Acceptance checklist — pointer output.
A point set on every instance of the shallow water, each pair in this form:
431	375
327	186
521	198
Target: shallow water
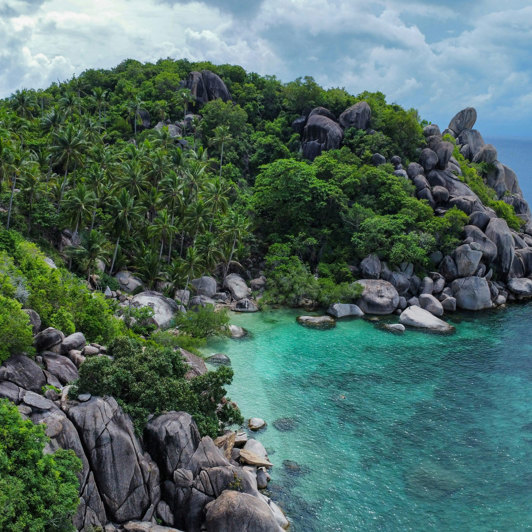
411	432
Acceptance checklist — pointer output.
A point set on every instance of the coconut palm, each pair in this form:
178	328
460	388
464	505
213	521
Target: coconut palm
236	229
94	247
222	137
23	103
79	204
162	228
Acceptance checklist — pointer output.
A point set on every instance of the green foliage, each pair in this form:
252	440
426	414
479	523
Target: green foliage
203	322
15	330
38	492
140	320
151	379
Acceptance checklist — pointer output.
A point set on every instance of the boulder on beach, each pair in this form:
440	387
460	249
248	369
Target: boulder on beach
237	286
344	310
317	322
164	308
472	293
378	297
422	319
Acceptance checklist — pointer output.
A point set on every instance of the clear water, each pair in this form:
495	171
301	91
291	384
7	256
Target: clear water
412	432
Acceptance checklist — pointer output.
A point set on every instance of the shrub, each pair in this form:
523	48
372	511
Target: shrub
38	492
15	330
203	322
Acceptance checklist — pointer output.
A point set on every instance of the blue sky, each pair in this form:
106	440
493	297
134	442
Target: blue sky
435	56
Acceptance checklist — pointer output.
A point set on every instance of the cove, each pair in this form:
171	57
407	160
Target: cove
373	431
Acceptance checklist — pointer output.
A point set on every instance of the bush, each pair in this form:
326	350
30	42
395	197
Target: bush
15	330
149	379
203	322
38	492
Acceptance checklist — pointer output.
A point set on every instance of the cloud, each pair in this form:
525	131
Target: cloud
437	57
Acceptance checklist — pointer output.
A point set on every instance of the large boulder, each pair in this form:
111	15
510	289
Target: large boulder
344	310
415	316
206	86
444	151
473	139
321	133
499	233
486	246
472	293
233	511
448	268
467	260
237	286
48	340
521	288
171	439
245	305
371	267
464	119
60	366
35	319
428	159
24	372
429	303
378	297
357	116
486	154
127	281
73	341
205	286
164	308
128	480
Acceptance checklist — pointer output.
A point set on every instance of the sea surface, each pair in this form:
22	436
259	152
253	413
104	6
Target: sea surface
517	154
368	430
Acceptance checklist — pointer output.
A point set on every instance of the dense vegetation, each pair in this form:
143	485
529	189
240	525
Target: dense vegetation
38	492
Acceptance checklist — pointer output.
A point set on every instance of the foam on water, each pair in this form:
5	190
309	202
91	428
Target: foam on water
412	432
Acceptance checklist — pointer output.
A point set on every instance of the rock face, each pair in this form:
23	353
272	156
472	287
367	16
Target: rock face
108	438
464	119
317	322
415	316
357	116
205	286
164	308
237	286
206	86
23	372
320	133
520	287
344	310
467	260
239	512
499	233
472	293
61	367
371	267
378	297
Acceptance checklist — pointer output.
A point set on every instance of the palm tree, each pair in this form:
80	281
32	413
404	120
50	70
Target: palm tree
222	136
172	186
184	97
31	183
69	103
125	213
94	247
148	265
209	249
192	264
236	229
100	99
79	203
134	107
52	121
67	148
134	178
216	192
23	103
17	165
162	227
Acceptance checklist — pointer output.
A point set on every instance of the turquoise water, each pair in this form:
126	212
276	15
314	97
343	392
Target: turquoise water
412	432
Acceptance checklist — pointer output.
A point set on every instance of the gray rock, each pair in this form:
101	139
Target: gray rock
486	154
377	159
196	364
146	526
164	308
24	372
396	161
371	267
127	281
378	297
439	285
414	169
236	332
396	328
245	305
480	219
182	297
262	479
449	304
73	341
431	304
467	260
486	246
237	286
258	284
35	320
343	310
471	293
60	366
206	86
426	194
357	116
233	511
473	138
467	204
90	351
399	280
440	195
444	151
428	159
321	133
171	439
431	130
427	285
464	119
48	339
400	173
499	233
520	287
108	439
205	286
420	182
422	319
200	301
219	359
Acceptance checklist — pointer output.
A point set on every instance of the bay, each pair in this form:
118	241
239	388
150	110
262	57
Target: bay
373	431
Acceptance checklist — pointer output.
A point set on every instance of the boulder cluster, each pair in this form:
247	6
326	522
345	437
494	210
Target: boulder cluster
170	475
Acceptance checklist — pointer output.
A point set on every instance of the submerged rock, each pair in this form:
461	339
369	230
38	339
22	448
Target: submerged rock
219	359
285	424
317	322
256	423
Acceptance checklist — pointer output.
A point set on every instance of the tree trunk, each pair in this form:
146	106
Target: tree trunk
11	201
114	256
221	158
93	219
230	257
63	184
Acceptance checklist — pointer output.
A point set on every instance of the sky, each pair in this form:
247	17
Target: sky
436	56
